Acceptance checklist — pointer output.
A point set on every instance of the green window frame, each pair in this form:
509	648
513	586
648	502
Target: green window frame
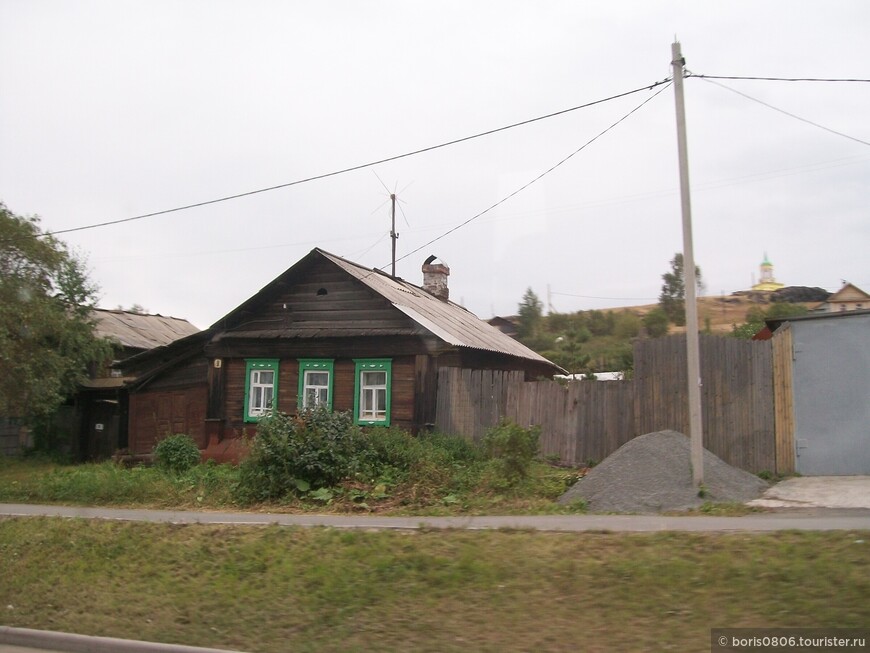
261	387
313	385
373	391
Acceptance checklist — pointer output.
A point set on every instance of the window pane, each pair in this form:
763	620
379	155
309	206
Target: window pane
373	391
316	388
317	378
374	378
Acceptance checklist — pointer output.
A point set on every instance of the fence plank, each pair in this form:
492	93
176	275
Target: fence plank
783	390
745	393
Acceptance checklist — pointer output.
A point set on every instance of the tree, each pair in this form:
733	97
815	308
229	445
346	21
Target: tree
138	309
673	297
569	353
756	316
47	338
530	313
656	323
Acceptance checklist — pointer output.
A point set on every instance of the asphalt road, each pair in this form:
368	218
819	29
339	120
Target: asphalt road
801	519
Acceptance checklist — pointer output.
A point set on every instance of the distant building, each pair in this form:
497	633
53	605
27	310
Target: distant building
848	298
507	325
767	283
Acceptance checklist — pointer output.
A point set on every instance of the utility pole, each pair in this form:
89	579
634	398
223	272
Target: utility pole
693	355
393	235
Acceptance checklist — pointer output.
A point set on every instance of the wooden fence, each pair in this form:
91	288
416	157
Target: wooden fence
589	420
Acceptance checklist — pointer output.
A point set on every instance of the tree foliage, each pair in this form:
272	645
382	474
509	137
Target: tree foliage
756	316
673	296
531	311
46	333
656	323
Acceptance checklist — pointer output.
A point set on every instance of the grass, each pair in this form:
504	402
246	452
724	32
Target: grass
431	491
37	480
277	589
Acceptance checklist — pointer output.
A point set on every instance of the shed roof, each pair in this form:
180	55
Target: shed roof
140	331
774	323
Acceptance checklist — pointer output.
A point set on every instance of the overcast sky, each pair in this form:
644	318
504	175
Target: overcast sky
112	109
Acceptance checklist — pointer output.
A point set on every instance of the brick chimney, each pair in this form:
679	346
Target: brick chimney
435	278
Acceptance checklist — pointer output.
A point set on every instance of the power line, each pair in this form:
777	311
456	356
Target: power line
540	176
783	111
633	299
777	79
360	166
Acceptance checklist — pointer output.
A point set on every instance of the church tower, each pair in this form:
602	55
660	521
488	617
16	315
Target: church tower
767	283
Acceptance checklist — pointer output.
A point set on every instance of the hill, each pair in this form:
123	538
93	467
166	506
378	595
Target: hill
601	340
715	313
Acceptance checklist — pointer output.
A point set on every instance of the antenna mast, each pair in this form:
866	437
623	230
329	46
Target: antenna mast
393	235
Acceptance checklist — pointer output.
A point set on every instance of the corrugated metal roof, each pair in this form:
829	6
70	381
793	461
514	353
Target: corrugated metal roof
448	321
140	331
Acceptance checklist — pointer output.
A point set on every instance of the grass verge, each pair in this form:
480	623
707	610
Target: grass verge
277	589
425	490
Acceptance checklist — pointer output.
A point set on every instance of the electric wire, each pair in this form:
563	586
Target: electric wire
782	111
539	177
777	79
359	166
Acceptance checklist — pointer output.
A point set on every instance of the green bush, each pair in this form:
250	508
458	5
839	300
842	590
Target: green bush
176	453
314	450
512	449
427	464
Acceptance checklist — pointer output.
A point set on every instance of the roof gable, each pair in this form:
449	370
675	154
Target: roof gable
361	301
449	322
849	293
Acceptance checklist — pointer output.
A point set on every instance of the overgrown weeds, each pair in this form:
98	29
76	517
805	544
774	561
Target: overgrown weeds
323	462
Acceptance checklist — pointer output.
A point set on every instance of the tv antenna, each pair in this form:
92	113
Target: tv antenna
394	235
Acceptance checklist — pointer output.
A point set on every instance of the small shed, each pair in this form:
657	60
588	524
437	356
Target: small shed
827	362
99	410
326	332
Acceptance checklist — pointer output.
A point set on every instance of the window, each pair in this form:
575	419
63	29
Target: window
315	383
372	399
261	388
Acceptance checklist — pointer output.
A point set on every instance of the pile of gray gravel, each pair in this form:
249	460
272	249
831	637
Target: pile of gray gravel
653	473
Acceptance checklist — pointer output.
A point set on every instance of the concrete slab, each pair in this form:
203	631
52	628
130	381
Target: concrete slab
837	492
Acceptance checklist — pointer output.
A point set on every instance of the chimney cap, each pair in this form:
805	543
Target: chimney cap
435	278
432	258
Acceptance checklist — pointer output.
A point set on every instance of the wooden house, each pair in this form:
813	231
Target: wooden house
848	298
99	409
325	332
